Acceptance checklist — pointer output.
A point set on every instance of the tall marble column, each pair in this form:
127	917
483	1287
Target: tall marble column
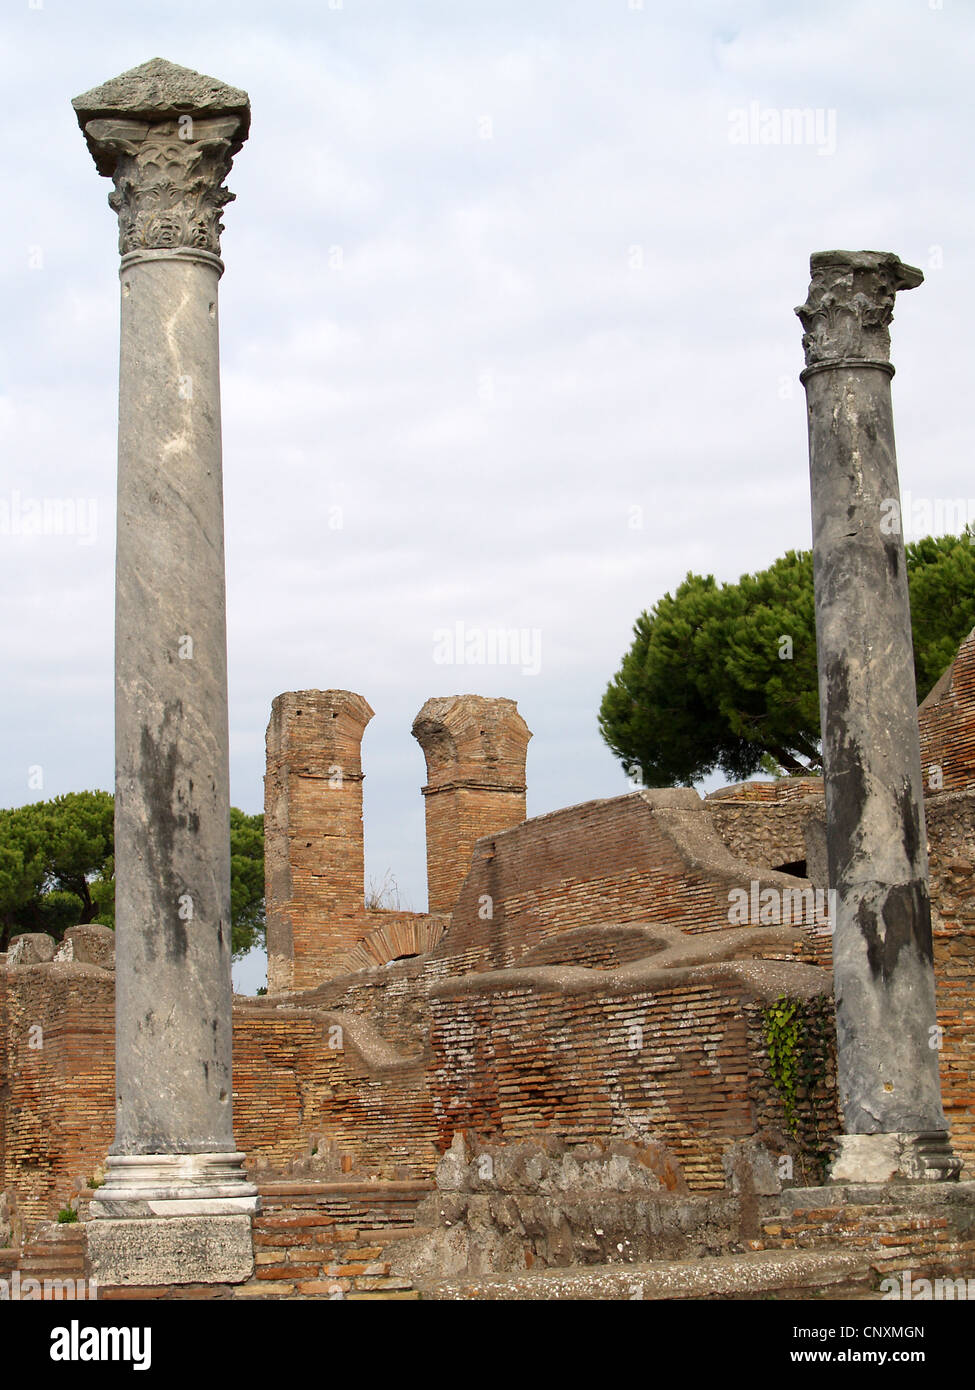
176	1203
887	1056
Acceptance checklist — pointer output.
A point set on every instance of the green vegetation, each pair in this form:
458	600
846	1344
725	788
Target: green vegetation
57	869
724	676
798	1038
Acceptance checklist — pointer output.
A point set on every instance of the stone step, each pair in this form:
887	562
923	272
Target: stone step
717	1276
50	1264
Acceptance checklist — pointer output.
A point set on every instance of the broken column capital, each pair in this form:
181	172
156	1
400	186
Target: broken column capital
167	137
475	750
472	740
849	307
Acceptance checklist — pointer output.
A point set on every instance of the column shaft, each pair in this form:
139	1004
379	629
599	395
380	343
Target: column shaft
882	949
166	136
887	1059
172	770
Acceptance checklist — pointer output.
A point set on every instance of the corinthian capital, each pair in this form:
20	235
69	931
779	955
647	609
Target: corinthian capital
167	137
850	305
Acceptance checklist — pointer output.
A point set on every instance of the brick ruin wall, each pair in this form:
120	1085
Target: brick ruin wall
312	1239
947	725
318	923
762	830
386	1091
521	1018
57	1080
494	1031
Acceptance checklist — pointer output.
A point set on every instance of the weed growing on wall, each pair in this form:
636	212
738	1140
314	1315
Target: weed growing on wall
796	1033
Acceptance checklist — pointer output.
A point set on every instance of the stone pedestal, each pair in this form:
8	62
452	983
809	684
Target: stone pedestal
887	1058
180	1250
167	136
891	1157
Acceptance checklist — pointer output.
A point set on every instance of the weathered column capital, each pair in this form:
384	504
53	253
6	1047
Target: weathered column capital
850	305
167	137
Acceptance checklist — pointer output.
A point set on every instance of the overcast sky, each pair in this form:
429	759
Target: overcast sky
509	295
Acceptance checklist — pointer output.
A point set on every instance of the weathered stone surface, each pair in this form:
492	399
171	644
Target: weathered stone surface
759	1272
955	1199
172	799
882	946
31	948
177	1250
177	1184
750	1168
92	944
553	1168
817	857
314	856
525	1204
885	1158
159	89
167	136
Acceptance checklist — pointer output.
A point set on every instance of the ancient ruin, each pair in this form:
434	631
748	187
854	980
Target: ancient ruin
566	1078
575	1058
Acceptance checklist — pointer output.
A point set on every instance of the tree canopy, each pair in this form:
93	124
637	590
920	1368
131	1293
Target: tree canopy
723	676
57	868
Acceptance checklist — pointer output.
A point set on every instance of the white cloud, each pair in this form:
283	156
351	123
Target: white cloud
489	381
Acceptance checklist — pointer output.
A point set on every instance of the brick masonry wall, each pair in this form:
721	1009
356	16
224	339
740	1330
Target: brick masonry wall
57	1079
331	1240
807	1140
409	1065
950	819
948	727
294	1091
778	791
318	1240
313	833
318	924
680	1065
456	818
312	1240
928	1232
618	861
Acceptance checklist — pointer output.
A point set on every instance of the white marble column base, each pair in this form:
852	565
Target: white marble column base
894	1158
170	1185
